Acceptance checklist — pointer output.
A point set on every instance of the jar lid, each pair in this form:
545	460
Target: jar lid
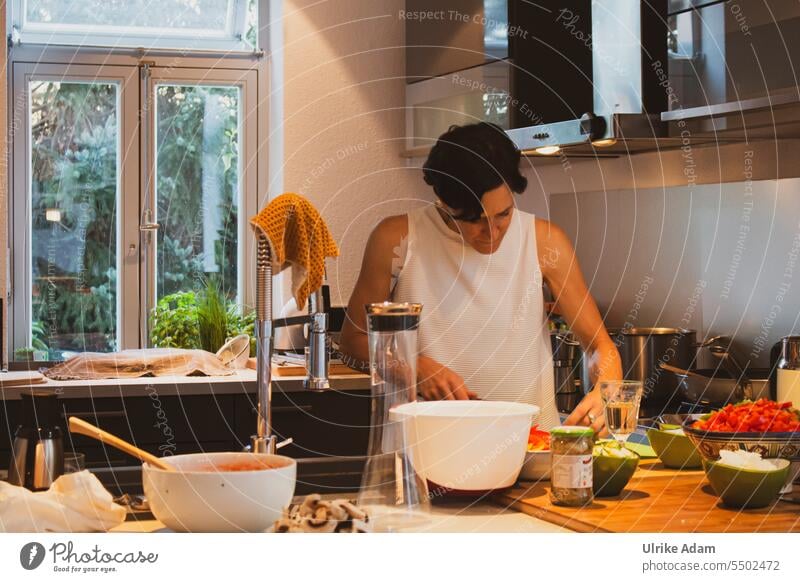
390	317
572	431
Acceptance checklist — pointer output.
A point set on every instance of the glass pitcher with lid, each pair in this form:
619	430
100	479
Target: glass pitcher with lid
391	491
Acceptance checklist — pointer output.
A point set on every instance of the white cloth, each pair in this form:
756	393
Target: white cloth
483	315
75	502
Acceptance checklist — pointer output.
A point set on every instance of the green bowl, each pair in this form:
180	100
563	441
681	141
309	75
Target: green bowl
675	451
611	474
746	488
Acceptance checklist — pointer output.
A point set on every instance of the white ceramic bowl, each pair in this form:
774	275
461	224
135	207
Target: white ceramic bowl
467	446
201	496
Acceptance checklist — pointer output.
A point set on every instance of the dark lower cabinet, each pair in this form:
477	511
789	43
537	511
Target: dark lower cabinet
320	425
325	424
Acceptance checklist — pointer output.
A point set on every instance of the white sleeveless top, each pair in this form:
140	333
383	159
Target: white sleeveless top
483	315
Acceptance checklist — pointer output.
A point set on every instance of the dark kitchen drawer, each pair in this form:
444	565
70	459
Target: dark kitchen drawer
324	424
177	424
321	424
150	422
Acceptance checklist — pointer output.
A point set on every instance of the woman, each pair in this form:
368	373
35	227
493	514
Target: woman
477	264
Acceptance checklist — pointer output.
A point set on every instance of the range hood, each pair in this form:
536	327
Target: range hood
595	80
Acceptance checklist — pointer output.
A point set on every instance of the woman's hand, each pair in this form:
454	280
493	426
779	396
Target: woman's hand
590	413
438	382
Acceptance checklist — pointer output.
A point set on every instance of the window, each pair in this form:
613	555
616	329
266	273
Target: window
132	176
197	186
181	24
74	168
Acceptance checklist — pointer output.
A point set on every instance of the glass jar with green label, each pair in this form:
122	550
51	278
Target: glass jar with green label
571	475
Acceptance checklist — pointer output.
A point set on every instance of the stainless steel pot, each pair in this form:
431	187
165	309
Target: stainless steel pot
715	387
642	350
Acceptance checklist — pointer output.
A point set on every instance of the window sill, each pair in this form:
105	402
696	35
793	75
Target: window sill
242	382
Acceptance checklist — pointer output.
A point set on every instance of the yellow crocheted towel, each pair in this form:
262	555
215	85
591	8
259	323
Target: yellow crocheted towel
298	237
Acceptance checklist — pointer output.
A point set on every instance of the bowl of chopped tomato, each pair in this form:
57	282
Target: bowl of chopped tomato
537	459
769	428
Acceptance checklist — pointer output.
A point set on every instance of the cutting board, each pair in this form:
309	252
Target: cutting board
289	371
16	379
656	499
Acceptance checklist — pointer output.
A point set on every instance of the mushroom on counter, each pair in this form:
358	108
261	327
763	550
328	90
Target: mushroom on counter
315	515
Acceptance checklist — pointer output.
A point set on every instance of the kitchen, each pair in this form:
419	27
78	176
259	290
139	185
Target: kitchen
688	222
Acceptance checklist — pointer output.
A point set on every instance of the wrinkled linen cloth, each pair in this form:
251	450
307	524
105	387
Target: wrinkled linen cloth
137	363
298	237
75	502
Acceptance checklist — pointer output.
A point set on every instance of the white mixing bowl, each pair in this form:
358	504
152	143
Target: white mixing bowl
467	446
205	495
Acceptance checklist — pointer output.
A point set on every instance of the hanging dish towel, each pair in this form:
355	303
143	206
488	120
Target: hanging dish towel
298	237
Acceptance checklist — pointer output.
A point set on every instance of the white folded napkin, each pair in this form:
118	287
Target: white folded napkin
75	502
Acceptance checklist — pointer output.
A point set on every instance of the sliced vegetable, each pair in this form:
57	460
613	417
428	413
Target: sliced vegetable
538	440
760	416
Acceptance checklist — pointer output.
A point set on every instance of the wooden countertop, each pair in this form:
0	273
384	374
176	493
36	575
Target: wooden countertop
656	499
242	381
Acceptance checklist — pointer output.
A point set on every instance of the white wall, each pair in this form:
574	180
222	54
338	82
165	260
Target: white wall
720	258
344	123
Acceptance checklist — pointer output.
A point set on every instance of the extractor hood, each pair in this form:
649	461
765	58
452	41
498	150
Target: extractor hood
613	77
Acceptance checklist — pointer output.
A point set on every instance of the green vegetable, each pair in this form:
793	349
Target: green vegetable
611	449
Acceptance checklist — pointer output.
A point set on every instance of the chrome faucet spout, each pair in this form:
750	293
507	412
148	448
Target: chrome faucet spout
317	354
263	441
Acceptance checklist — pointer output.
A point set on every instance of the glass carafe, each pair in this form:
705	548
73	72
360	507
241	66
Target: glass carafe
391	492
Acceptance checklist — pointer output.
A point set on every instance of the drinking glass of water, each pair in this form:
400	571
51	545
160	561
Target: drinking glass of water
621	400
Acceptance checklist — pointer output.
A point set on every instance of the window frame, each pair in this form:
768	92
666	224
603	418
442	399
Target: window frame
232	40
248	205
20	202
252	69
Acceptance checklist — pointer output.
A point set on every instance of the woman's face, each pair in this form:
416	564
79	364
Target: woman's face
485	234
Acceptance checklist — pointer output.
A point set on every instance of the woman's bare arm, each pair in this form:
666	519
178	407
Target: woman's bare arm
373	286
434	380
562	273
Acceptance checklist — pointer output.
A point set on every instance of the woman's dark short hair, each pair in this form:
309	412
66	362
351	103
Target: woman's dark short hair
469	160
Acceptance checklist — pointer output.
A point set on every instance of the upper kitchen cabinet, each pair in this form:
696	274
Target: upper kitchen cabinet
456	66
732	51
507	62
443	36
605	77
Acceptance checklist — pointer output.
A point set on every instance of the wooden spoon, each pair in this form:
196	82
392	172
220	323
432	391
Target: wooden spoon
79	426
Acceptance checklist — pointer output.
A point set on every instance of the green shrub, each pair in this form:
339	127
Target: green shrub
199	320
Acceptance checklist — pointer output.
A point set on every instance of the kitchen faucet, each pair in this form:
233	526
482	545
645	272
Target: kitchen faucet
317	356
